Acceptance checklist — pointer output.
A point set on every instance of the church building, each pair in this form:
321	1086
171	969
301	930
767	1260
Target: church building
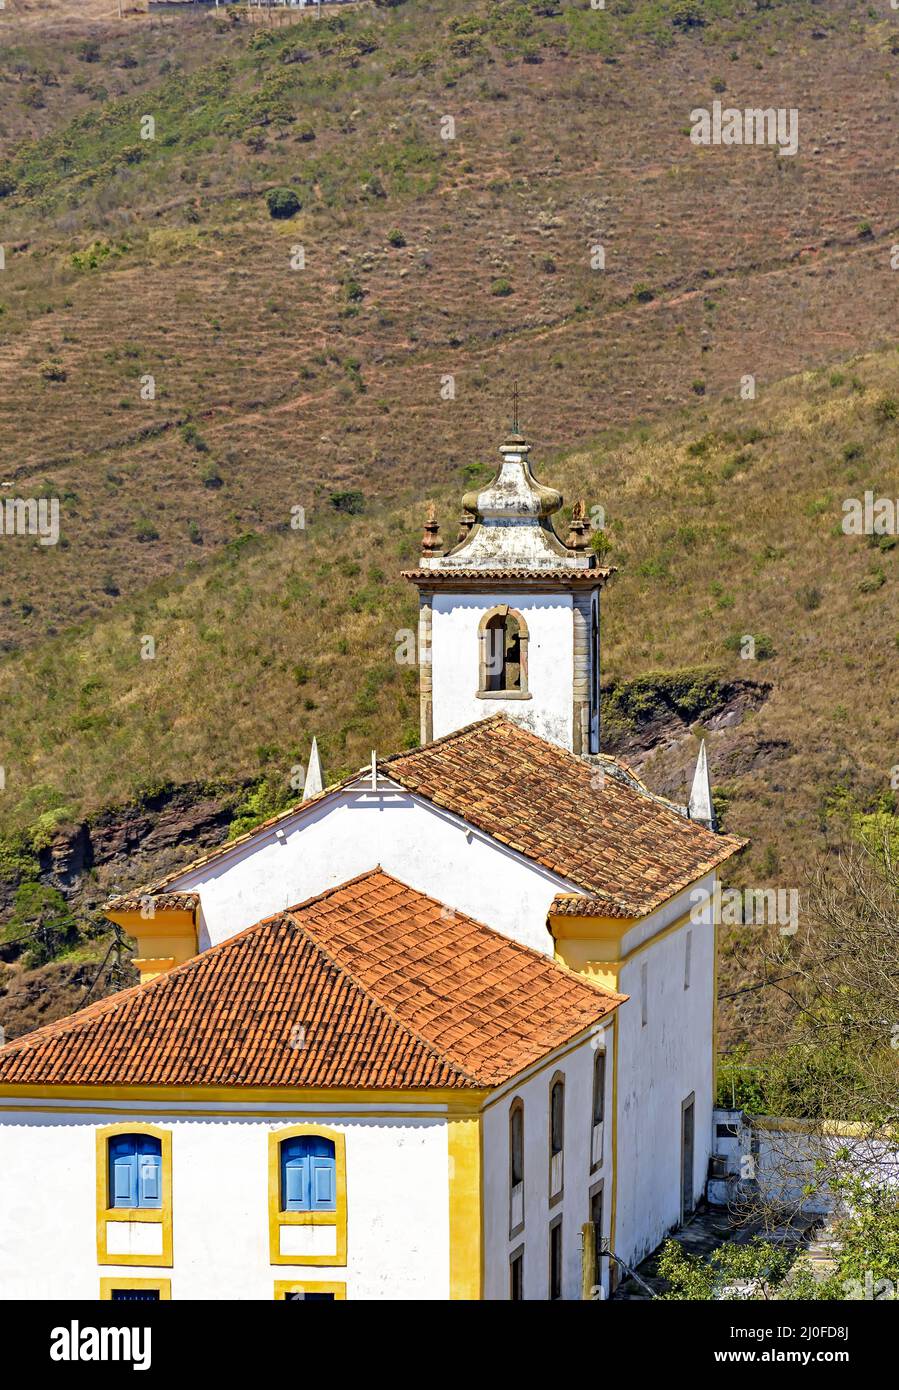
443	1030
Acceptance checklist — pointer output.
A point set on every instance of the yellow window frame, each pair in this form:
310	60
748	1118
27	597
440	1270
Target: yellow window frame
108	1286
278	1218
285	1286
161	1215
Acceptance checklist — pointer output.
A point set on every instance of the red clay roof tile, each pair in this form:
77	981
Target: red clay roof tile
390	989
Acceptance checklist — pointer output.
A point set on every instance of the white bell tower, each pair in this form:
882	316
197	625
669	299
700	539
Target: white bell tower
509	616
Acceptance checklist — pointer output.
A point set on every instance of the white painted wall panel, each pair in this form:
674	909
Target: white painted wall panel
454	660
577	1067
659	1066
348	834
397	1209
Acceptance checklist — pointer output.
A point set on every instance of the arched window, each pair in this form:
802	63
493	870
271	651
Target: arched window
308	1174
556	1136
135	1171
503	664
516	1167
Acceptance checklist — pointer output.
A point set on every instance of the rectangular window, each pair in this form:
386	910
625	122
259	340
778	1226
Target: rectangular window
596	1218
307	1197
135	1171
134	1196
555	1259
599	1107
516	1275
124	1290
516	1168
688	951
556	1138
687	1152
296	1291
308	1174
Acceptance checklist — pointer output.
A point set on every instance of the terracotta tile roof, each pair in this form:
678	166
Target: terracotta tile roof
160	902
582	905
601	833
389	987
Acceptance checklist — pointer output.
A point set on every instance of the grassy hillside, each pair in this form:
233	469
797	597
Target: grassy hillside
280	388
424	257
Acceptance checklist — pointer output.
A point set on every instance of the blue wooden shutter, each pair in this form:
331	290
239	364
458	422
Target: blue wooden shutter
294	1176
123	1172
308	1174
149	1173
324	1183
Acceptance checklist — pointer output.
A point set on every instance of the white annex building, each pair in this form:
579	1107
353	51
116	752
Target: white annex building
443	1030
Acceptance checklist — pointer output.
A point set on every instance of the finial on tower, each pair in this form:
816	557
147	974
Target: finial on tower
515	406
466	521
579	527
431	544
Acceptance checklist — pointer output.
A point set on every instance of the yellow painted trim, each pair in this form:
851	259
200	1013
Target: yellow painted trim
155	1215
122	1281
367	1113
164	922
466	1099
509	1087
465	1207
593	928
602	950
285	1286
613	1206
165	939
278	1218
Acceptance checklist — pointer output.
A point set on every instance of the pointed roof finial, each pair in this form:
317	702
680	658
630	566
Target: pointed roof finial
700	806
431	544
515	406
579	527
315	781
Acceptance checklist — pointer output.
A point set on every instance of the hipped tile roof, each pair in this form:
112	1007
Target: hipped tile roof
372	985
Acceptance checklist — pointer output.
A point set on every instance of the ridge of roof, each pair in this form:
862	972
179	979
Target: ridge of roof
291	914
724	845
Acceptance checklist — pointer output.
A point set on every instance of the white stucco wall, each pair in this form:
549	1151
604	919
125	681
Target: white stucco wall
454	663
660	1064
577	1067
397	1207
349	833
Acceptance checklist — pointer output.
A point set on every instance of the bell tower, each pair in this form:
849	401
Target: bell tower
509	615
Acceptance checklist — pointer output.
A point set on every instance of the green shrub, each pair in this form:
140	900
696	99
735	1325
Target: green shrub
352	501
282	202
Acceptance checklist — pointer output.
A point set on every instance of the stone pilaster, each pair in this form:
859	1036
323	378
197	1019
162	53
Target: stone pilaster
425	684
